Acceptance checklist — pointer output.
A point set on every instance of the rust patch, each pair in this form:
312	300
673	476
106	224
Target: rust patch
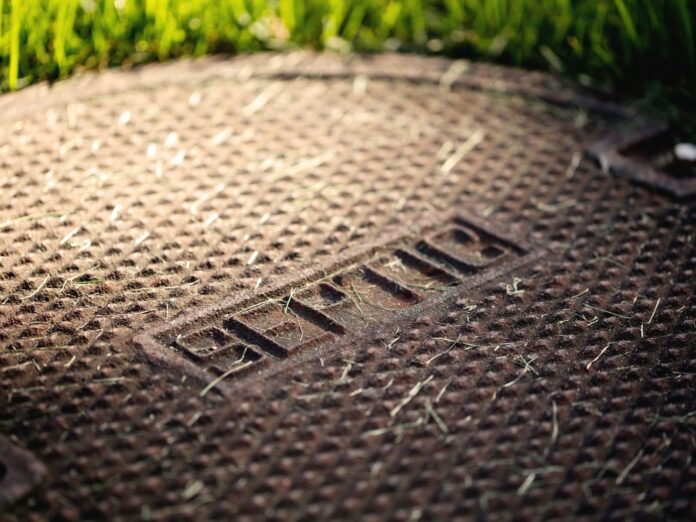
375	283
643	156
20	472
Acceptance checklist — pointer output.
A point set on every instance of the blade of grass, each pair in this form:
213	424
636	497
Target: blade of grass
13	74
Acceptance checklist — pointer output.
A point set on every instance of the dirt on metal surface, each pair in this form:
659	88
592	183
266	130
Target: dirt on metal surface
316	287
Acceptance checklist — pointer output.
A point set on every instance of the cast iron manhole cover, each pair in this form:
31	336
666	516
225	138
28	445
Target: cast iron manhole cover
302	287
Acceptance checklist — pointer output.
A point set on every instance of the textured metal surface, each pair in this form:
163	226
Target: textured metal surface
141	210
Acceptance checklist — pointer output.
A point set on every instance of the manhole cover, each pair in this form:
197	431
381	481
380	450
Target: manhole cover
318	287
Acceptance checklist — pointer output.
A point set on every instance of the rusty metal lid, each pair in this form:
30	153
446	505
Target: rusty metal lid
322	287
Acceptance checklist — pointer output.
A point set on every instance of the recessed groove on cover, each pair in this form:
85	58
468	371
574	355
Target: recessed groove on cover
20	472
646	156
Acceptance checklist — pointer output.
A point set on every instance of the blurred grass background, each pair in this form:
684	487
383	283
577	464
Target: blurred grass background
642	48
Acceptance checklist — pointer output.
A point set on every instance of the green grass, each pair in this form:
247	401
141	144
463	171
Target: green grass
638	47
